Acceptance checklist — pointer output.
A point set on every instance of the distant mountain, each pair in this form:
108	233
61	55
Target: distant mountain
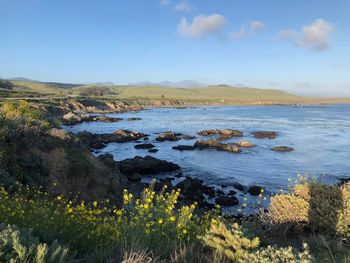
104	83
23	79
180	84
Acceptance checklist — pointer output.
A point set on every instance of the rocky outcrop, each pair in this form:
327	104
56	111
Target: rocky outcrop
265	134
184	148
98	141
282	149
255	190
73	118
146	165
188	137
224	200
134	119
224	133
193	190
168	136
245	144
213	144
144	146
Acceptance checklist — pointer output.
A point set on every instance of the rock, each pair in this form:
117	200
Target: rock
168	136
231	192
98	140
282	149
193	189
188	137
135	177
153	150
146	165
212	144
225	132
134	119
244	144
220	192
224	200
255	190
108	160
238	186
159	185
184	148
73	118
224	137
144	146
265	134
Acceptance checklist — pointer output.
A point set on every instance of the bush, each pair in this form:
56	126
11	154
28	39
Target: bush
19	245
238	248
5	84
324	208
96	230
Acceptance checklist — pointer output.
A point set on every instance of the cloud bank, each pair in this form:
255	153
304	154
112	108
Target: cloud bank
254	27
201	25
314	36
183	7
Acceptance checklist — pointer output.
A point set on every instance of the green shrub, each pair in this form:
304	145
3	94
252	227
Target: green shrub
96	230
324	208
19	245
238	248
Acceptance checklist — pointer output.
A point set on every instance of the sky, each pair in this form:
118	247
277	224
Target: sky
301	46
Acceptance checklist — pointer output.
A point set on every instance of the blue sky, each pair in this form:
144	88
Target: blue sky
300	46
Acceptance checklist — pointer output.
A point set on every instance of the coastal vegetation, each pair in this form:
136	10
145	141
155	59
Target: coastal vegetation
60	203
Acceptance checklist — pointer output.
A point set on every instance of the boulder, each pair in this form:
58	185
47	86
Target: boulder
225	132
265	134
244	144
72	118
146	165
153	150
238	186
144	146
282	149
168	136
213	144
188	137
255	190
193	189
184	148
134	119
224	200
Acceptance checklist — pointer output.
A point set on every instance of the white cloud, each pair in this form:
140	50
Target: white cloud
165	2
201	25
183	7
256	26
314	36
239	34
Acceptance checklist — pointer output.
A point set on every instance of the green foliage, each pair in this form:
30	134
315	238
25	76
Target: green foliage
96	229
20	109
325	208
19	245
238	248
5	84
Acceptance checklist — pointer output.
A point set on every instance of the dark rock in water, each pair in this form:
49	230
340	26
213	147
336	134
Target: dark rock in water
220	192
97	145
238	186
146	165
265	134
255	190
193	190
226	200
120	136
144	146
231	192
205	205
108	160
282	149
212	144
224	137
134	119
153	150
146	139
73	118
226	133
188	137
245	144
184	148
168	136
